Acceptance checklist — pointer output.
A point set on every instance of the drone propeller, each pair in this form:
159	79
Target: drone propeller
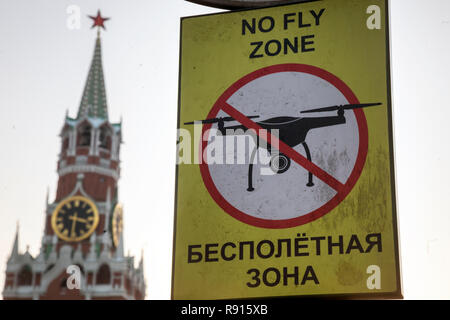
342	107
215	120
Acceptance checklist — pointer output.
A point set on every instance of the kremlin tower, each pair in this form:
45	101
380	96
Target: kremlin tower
82	251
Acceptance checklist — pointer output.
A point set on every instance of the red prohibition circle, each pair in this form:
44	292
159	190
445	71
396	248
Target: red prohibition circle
340	194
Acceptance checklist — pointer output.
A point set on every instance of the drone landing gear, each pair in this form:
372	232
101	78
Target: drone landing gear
308	156
250	171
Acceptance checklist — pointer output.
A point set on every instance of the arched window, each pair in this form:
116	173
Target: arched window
103	275
105	138
84	136
25	276
65	144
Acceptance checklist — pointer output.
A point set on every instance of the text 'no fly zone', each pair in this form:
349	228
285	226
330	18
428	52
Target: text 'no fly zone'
299	20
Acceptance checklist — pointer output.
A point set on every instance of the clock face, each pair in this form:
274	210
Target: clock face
117	224
75	218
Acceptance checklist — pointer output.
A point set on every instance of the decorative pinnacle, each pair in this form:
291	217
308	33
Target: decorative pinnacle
99	21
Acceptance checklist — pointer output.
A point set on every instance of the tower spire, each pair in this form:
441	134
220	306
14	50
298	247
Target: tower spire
15	248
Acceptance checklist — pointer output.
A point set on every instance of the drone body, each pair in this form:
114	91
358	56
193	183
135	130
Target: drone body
291	130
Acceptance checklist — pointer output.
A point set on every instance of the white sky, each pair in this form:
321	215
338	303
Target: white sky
43	68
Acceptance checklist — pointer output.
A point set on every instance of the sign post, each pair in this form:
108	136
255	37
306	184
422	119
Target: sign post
285	175
241	4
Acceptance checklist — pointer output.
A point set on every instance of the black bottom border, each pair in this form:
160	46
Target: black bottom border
226	309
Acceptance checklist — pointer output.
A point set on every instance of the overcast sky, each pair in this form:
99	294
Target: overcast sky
43	68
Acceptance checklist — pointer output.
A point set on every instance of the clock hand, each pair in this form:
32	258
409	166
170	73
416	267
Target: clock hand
74	221
78	219
81	220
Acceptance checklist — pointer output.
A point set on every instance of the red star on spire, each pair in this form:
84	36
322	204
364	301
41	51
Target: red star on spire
98	20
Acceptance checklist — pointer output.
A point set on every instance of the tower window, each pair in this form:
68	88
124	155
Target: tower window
103	275
84	136
65	144
25	276
105	138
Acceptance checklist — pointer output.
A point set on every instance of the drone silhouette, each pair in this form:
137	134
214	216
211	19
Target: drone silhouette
292	131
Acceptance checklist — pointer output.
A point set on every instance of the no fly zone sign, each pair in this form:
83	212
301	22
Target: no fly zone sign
285	172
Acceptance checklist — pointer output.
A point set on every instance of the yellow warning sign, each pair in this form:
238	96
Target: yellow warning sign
285	169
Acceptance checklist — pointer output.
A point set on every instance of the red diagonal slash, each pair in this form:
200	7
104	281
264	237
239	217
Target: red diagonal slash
284	148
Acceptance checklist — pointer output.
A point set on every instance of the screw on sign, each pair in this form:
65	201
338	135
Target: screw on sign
330	145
